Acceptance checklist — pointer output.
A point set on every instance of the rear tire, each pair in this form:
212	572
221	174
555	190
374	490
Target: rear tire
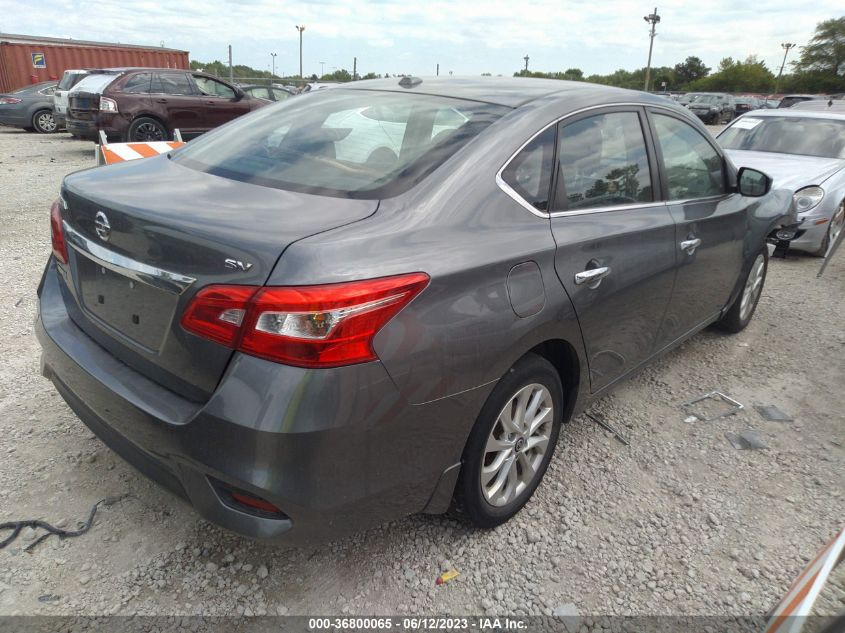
43	122
511	444
145	129
739	316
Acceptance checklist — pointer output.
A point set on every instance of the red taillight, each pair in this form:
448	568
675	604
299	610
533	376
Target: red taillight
9	100
57	233
308	326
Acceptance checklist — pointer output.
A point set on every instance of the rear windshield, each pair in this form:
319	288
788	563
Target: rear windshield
787	135
94	83
352	144
69	80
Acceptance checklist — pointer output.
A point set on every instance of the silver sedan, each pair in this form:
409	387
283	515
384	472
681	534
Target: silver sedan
803	151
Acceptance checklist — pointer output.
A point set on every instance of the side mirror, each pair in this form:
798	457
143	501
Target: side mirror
753	183
239	94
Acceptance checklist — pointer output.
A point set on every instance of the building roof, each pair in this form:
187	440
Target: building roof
12	38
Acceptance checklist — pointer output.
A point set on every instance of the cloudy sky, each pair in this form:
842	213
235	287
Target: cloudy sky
467	37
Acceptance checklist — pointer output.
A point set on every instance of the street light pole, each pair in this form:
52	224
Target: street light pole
786	46
653	19
322	69
526	58
273	55
300	29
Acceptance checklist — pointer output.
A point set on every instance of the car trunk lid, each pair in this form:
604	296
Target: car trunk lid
146	236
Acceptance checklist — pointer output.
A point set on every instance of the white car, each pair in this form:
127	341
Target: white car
69	79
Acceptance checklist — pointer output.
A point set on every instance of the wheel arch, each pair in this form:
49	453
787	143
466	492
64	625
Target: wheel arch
146	115
562	355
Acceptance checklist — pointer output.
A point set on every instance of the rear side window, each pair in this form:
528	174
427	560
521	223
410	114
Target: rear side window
138	84
345	143
529	174
172	84
602	162
693	167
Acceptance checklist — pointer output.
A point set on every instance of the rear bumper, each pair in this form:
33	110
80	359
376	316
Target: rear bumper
112	124
336	450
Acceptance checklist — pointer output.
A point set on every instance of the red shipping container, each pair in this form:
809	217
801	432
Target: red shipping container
25	59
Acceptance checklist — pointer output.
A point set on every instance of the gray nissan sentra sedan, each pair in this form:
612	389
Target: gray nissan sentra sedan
386	298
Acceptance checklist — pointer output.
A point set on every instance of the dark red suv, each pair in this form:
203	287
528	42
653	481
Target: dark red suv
147	104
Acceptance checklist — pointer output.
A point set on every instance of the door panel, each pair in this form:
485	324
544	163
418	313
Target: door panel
706	276
606	219
619	318
219	102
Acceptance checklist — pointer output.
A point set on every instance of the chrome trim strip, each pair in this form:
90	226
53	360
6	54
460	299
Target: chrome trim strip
144	273
507	189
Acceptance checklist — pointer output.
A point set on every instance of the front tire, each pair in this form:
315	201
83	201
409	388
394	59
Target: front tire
837	223
511	444
43	122
739	316
145	129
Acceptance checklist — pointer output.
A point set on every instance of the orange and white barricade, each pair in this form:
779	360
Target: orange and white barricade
111	153
790	615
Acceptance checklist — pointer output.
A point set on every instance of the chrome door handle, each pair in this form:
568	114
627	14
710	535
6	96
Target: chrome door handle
592	277
690	245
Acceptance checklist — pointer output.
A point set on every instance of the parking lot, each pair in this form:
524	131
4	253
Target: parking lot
678	522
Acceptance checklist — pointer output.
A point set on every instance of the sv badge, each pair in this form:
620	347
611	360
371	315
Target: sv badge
236	264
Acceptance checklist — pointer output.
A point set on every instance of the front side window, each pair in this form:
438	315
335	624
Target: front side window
172	84
529	174
280	94
693	167
138	84
355	143
213	88
602	162
259	92
48	90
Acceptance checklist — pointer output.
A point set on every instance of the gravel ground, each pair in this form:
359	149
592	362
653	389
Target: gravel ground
679	522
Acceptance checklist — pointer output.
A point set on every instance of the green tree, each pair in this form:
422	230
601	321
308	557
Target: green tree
732	76
825	54
691	69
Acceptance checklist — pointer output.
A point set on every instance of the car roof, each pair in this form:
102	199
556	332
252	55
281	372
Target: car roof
794	112
506	91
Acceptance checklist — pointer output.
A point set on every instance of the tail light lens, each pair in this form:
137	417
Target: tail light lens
307	326
57	233
108	105
9	100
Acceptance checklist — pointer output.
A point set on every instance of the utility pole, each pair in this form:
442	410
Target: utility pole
231	77
300	29
322	69
786	47
652	19
438	70
273	55
526	58
354	68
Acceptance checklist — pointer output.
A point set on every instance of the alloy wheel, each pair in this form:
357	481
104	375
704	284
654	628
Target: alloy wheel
148	132
837	224
516	445
753	286
46	122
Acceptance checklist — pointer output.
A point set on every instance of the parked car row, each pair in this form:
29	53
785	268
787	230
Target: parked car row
133	104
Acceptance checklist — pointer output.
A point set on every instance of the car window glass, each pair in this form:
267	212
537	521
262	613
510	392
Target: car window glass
138	84
47	91
693	167
280	94
602	162
172	84
529	174
338	143
94	83
788	134
213	88
258	91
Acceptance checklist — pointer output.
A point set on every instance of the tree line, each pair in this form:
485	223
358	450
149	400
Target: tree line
820	68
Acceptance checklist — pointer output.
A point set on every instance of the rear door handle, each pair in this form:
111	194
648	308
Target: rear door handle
592	277
161	100
690	245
